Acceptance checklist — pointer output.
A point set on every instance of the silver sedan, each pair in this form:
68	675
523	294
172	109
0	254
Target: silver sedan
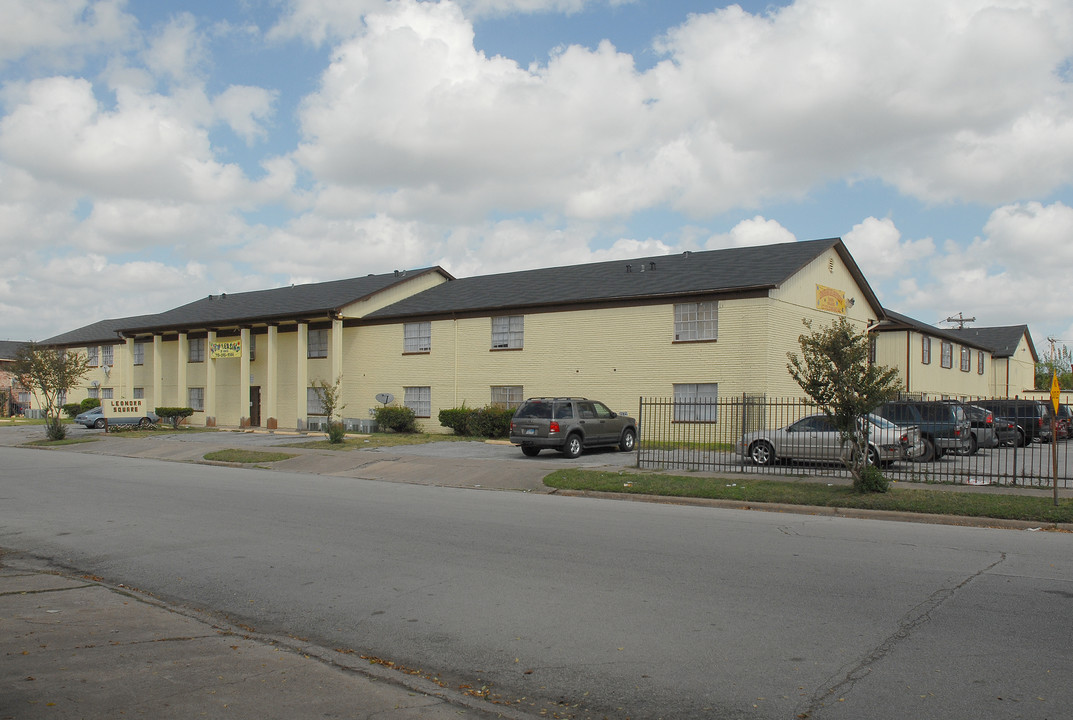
815	438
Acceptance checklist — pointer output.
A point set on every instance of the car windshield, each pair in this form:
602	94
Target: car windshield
881	422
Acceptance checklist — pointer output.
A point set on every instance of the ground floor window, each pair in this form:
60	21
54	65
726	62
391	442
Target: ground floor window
107	393
139	393
419	399
507	396
196	398
95	393
695	402
314	406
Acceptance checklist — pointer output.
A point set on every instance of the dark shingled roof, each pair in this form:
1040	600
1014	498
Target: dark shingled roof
103	331
297	301
8	348
1002	341
714	271
999	341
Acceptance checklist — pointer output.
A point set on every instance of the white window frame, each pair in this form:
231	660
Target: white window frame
139	393
947	354
94	393
508	396
196	352
966	359
419	399
108	355
980	362
107	393
139	353
696	322
925	350
195	396
93	357
317	343
508	332
314	405
696	402
417	337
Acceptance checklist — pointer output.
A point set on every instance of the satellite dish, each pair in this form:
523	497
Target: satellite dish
385	398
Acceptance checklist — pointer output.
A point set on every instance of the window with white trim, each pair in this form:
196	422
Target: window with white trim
507	396
108	355
139	393
980	362
107	393
93	356
966	359
317	344
925	351
696	321
417	337
508	332
195	398
94	393
139	353
314	404
197	350
695	402
418	399
948	354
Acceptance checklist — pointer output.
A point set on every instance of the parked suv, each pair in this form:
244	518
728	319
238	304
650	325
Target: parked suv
570	425
944	426
1032	417
983	434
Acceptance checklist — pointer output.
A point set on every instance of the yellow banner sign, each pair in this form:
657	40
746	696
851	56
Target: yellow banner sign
830	300
225	349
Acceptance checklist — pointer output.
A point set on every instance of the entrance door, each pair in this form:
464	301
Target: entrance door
255	406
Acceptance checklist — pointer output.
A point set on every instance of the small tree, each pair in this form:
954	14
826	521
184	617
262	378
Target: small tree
834	372
49	373
330	397
174	415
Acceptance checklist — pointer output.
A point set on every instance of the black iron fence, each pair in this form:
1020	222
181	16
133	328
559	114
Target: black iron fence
718	436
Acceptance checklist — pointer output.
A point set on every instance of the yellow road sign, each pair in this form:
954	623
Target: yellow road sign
1056	393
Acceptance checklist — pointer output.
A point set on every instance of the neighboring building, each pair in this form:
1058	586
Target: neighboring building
10	392
696	325
1014	368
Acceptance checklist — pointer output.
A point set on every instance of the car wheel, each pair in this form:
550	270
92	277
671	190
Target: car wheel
145	422
573	446
530	451
928	453
629	439
1021	438
99	423
873	456
972	449
762	453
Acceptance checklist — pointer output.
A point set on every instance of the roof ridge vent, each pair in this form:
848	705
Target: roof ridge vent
629	268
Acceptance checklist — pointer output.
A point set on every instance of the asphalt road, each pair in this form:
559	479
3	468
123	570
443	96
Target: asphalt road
582	607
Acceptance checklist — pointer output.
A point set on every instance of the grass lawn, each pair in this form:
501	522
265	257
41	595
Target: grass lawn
375	440
247	456
942	502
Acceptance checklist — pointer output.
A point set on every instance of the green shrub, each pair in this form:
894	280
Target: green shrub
489	421
396	419
336	432
89	404
457	419
174	415
56	429
72	409
872	480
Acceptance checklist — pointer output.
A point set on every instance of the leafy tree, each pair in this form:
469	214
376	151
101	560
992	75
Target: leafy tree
174	415
834	372
330	396
1058	361
49	373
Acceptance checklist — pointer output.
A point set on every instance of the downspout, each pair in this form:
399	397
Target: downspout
908	359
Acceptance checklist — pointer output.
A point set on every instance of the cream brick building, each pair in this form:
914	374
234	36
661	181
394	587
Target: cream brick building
696	325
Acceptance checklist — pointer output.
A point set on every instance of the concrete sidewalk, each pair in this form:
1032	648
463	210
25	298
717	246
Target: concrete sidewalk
73	647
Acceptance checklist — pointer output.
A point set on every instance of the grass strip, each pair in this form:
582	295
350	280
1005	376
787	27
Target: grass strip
941	502
65	441
375	440
247	456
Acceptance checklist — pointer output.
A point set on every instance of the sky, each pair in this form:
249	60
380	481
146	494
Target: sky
155	151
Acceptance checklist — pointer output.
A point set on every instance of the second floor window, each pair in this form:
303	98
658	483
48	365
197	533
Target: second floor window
508	332
696	321
980	363
108	355
948	355
92	356
139	353
925	351
966	359
197	350
318	343
417	337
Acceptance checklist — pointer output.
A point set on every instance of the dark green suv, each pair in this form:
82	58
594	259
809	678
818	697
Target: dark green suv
570	425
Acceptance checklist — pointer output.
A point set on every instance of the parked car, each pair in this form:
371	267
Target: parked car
944	426
981	429
1007	431
94	418
1065	422
570	425
815	438
1032	417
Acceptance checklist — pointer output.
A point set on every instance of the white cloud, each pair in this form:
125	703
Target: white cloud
245	109
757	231
62	32
878	248
178	49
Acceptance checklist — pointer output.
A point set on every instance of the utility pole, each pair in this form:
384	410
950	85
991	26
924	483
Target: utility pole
960	320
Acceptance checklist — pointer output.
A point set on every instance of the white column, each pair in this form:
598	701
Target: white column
301	381
244	378
210	381
271	394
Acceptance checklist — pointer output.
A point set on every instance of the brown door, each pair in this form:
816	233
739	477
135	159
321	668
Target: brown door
255	406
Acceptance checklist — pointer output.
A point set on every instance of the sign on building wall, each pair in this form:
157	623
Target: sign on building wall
830	299
123	408
225	349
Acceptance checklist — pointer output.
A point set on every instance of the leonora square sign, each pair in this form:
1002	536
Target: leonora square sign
122	408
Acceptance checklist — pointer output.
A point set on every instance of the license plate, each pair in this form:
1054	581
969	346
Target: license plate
530	431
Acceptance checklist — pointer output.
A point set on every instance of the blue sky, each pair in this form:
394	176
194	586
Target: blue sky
154	152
